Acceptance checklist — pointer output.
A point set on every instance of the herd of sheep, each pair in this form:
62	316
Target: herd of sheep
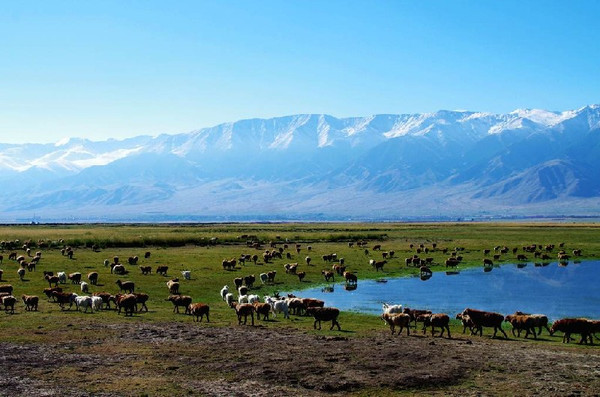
248	305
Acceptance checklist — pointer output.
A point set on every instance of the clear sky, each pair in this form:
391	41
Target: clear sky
100	69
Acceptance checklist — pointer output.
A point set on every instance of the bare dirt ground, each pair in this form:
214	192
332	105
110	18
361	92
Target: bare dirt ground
190	359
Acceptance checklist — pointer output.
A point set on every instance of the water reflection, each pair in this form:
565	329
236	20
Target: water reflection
350	287
328	289
544	287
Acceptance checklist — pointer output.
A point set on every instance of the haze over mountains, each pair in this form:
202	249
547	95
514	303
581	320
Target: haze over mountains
438	165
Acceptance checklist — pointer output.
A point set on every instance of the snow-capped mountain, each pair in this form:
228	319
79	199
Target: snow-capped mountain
447	163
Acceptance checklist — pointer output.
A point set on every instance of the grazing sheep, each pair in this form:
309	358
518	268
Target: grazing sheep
173	286
328	275
350	278
146	269
141	298
198	310
301	276
271	276
229	298
126	286
9	302
324	314
307	259
394	320
187	275
570	326
243	299
106	263
106	298
253	299
249	280
118	269
48	292
93	277
75	278
21	273
242	290
84	287
52	280
162	270
147	254
263	278
180	300
126	302
224	291
31	302
63	298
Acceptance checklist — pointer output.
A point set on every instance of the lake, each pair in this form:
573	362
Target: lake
555	290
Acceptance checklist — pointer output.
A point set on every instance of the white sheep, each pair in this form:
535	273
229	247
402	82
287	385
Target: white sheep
62	277
85	302
243	299
224	292
280	306
253	298
371	262
263	278
391	308
106	263
84	287
186	274
229	298
97	303
21	273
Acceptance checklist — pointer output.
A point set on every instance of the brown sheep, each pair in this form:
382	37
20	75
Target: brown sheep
48	292
52	280
379	265
106	298
522	322
440	320
162	270
146	269
301	276
198	310
126	302
485	319
126	286
75	278
271	276
540	320
394	320
262	309
180	300
173	286
324	314
140	298
244	310
328	275
63	298
466	322
31	302
570	326
350	278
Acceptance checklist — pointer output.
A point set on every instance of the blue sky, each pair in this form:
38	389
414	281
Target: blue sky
100	69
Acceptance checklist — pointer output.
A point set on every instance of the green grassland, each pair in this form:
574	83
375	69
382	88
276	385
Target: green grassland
202	247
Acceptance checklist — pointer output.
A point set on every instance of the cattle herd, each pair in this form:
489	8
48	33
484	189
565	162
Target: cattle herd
248	305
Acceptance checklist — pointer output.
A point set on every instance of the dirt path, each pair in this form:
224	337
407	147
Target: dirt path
189	359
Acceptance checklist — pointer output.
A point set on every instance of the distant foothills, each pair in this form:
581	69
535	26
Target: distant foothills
445	165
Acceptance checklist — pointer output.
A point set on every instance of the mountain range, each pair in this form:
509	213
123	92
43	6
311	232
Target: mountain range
442	165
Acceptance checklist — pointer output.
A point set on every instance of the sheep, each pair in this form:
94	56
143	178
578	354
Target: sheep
238	281
187	275
394	320
173	286
466	322
244	310
350	278
520	322
126	286
328	275
1	273
62	298
118	269
48	292
75	278
62	277
180	300
415	314
243	290
83	301
228	298
540	320
106	263
199	310
262	309
570	326
84	287
379	265
301	276
146	269
147	254
224	291
52	280
307	259
290	267
324	314
97	303
31	302
440	320
295	305
310	302
162	270
391	309
280	306
141	298
126	302
9	302
253	299
93	277
106	298
271	276
243	299
249	280
485	319
21	273
263	278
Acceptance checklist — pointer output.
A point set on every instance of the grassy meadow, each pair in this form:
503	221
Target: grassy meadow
202	247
